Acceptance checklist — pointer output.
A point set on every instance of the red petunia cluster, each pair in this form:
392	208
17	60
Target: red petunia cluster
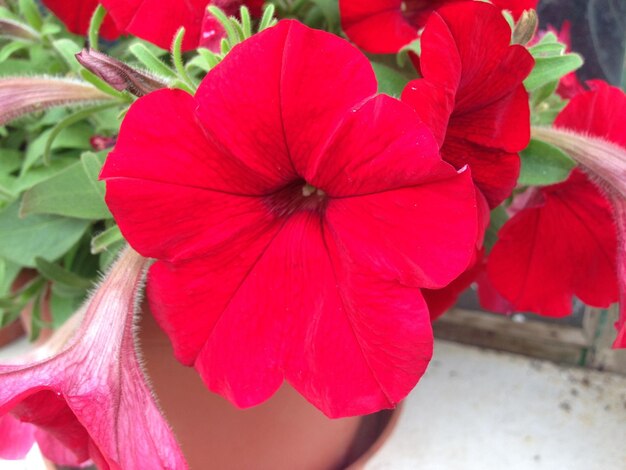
385	26
295	215
471	94
562	241
465	46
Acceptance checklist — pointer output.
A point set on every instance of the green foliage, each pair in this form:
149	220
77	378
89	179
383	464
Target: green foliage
551	63
544	164
22	239
236	32
390	80
106	239
72	192
497	219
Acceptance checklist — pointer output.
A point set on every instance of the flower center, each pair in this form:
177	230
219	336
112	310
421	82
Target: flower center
296	196
412	10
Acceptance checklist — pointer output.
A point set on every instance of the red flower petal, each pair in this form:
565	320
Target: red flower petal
601	112
317	332
562	244
394	248
273	285
377	26
439	301
473	83
76	15
187	299
385	133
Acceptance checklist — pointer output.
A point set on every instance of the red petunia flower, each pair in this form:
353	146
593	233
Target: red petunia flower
385	26
158	22
472	95
599	118
563	243
295	214
152	21
441	300
76	15
89	401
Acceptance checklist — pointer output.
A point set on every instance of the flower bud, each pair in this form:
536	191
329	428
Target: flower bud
526	27
119	75
23	95
13	29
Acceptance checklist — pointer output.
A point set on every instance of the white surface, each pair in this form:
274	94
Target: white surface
484	410
33	461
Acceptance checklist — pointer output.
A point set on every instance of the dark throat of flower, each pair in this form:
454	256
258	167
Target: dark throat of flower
297	196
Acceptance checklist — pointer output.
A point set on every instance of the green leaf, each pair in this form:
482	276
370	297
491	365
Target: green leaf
547	49
150	61
10	161
68	49
46	236
497	219
73	137
544	164
402	57
62	308
56	273
177	60
11	48
73	118
390	81
330	10
73	192
108	256
550	69
94	26
8	273
6	13
29	10
92	164
543	93
104	240
38	174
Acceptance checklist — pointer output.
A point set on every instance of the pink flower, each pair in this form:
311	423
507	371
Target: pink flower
89	401
385	26
295	214
17	437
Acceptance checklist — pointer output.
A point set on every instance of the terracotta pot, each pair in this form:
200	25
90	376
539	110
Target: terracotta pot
286	432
